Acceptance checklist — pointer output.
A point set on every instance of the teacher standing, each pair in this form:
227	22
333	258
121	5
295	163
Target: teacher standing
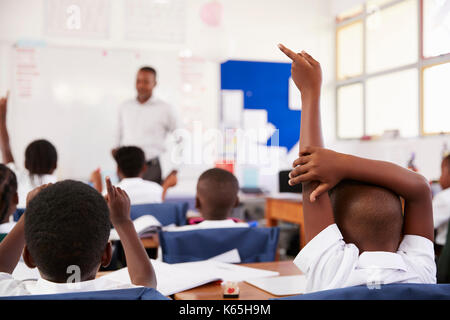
145	122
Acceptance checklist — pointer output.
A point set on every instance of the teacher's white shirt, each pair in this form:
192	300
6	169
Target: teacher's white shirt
146	125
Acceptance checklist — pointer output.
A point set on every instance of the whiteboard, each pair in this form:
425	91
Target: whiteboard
70	96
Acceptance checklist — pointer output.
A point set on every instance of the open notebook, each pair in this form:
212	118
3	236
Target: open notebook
173	278
144	225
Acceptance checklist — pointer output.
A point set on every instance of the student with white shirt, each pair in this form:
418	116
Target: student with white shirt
131	167
145	122
217	195
8	198
64	233
40	160
358	235
441	206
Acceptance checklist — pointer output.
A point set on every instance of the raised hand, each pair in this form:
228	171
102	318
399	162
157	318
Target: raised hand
3	106
118	203
318	164
33	193
306	72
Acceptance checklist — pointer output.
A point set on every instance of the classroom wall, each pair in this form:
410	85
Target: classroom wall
249	30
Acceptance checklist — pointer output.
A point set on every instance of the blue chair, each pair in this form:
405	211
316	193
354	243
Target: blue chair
253	244
18	214
395	291
166	213
141	293
190	201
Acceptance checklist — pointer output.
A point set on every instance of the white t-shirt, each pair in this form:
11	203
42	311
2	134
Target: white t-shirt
329	263
441	215
210	224
7	227
141	191
145	125
27	182
12	287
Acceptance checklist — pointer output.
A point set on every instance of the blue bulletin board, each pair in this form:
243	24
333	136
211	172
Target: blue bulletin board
265	85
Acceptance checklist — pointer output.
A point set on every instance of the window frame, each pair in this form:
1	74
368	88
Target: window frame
420	65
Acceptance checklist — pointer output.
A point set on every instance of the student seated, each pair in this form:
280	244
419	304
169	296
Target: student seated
441	206
131	167
217	195
64	233
354	227
8	198
40	160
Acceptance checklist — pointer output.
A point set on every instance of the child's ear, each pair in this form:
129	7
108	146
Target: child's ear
27	258
107	255
197	203
237	202
16	198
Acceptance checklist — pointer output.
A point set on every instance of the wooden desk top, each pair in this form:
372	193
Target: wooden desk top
214	291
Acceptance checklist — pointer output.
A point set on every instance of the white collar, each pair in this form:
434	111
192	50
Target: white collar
381	260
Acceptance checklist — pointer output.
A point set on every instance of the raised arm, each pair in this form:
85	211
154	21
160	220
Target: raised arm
140	268
169	182
4	137
307	75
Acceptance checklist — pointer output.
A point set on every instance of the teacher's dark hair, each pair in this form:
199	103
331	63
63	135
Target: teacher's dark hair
148	69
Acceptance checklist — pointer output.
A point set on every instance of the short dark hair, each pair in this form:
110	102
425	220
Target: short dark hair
67	224
218	188
40	157
148	69
8	187
130	160
367	214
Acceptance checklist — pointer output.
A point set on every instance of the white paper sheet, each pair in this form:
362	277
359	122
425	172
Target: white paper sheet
231	256
281	286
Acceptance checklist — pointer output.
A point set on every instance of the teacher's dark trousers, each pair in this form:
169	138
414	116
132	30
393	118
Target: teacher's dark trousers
153	172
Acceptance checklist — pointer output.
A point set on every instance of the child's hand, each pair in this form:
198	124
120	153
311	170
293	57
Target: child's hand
96	179
3	106
171	180
306	72
118	203
318	164
33	193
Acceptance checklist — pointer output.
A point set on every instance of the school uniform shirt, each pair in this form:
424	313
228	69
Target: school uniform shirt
210	224
145	125
12	287
27	182
441	215
329	263
7	227
141	191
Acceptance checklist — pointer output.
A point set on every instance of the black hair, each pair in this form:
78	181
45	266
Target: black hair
67	224
218	188
40	157
367	215
148	69
8	188
130	160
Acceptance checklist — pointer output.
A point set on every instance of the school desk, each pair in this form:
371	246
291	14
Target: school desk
286	209
214	291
